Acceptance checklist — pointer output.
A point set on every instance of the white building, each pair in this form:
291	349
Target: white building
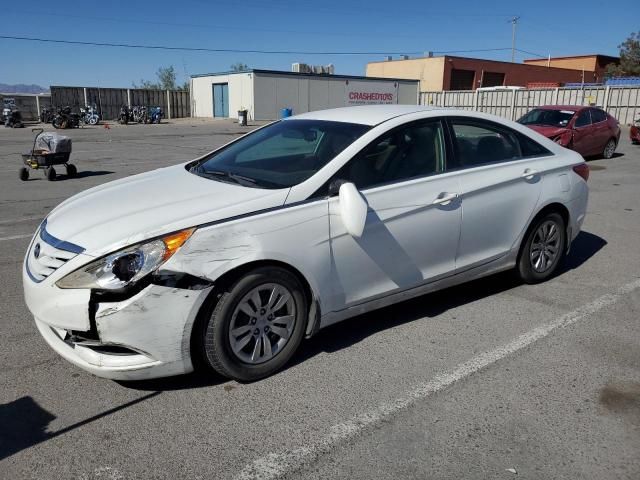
264	93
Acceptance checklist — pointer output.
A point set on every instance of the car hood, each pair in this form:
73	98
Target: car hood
548	131
127	211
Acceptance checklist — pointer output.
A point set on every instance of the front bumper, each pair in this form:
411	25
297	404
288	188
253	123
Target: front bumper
145	336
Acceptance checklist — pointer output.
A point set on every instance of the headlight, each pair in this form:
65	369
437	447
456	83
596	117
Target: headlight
126	266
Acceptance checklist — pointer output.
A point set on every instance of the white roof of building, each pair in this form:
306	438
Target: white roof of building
365	114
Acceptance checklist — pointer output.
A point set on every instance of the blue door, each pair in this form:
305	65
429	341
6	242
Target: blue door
220	99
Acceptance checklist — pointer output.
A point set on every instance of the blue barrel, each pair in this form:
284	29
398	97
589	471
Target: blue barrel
286	112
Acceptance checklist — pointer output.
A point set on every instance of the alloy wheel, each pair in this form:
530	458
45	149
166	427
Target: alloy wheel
545	246
262	323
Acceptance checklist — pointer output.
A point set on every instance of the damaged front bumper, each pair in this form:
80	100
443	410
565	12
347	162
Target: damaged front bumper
141	337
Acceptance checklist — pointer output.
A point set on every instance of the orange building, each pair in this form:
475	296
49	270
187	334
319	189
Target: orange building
588	63
461	73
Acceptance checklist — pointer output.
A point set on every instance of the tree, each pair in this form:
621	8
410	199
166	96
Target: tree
629	58
239	67
166	81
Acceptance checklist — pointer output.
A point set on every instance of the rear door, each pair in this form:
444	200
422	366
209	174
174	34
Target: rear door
500	174
600	128
583	141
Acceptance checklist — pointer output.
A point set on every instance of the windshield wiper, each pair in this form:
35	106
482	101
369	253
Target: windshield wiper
239	179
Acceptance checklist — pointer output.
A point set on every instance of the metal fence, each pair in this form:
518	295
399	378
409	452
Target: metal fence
28	104
622	103
175	103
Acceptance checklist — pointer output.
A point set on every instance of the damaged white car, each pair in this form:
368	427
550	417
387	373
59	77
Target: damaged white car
234	258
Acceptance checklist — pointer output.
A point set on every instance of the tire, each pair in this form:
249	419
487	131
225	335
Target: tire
50	173
72	171
234	356
93	120
532	268
24	174
609	149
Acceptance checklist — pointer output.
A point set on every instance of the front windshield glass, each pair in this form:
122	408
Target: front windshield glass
280	155
550	118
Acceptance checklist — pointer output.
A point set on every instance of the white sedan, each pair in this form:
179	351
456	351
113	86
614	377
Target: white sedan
232	259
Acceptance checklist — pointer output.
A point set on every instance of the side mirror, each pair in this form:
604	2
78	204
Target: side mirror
353	209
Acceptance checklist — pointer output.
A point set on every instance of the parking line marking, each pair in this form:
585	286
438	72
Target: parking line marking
276	464
15	237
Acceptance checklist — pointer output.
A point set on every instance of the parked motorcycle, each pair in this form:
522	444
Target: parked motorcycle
125	115
139	113
155	114
12	117
46	115
66	119
89	115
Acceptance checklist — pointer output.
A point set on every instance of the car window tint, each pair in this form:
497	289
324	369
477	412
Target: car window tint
584	119
478	142
598	115
282	145
531	148
413	151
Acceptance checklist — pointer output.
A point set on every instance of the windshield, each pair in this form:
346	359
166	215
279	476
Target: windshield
551	118
280	155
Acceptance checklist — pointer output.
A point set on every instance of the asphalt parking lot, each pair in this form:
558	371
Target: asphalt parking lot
492	379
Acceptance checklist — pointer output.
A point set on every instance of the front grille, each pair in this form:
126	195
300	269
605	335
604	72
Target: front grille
47	254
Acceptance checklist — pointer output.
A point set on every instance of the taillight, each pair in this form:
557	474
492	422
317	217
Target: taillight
582	170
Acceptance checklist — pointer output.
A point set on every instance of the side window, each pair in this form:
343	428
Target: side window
531	148
598	115
584	119
478	142
411	151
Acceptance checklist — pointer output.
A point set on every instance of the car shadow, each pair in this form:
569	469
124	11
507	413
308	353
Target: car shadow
351	331
24	423
85	174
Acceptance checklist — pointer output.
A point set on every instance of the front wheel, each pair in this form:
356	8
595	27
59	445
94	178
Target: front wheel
50	173
24	174
609	149
72	171
543	248
256	325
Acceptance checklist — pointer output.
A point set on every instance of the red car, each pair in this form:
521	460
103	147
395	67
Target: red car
589	131
634	132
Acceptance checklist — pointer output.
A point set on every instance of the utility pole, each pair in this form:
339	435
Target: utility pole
514	22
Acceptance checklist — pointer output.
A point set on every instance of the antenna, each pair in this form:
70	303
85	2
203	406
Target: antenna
514	22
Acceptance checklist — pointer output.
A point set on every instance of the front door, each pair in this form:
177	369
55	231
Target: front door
221	100
413	219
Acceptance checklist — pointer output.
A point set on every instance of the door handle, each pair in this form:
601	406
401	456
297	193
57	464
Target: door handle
529	173
445	198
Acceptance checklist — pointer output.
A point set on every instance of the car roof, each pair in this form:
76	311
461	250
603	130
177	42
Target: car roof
363	114
573	108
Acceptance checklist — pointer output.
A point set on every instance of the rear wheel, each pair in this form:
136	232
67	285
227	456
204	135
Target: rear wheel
24	174
256	325
609	149
543	248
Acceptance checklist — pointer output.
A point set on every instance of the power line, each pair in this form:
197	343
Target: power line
195	49
232	50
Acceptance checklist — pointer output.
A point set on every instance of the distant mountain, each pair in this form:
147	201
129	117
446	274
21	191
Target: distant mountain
22	88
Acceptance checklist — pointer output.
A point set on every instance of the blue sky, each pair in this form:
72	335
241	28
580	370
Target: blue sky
546	27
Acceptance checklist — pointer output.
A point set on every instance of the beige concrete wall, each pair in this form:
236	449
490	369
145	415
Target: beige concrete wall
578	63
430	71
